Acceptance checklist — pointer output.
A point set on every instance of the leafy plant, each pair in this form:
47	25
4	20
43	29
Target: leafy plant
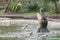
52	11
33	6
45	5
15	6
55	3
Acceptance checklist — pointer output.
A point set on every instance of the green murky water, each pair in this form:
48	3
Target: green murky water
13	32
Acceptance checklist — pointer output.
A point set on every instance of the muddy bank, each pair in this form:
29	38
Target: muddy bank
27	16
54	16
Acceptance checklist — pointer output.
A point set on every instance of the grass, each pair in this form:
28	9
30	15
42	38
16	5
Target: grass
33	12
28	13
2	11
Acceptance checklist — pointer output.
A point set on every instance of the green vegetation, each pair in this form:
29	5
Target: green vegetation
45	5
55	2
29	6
2	11
15	6
18	6
2	6
54	12
33	6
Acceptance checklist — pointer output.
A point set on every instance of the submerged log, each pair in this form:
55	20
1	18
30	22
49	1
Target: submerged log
42	21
